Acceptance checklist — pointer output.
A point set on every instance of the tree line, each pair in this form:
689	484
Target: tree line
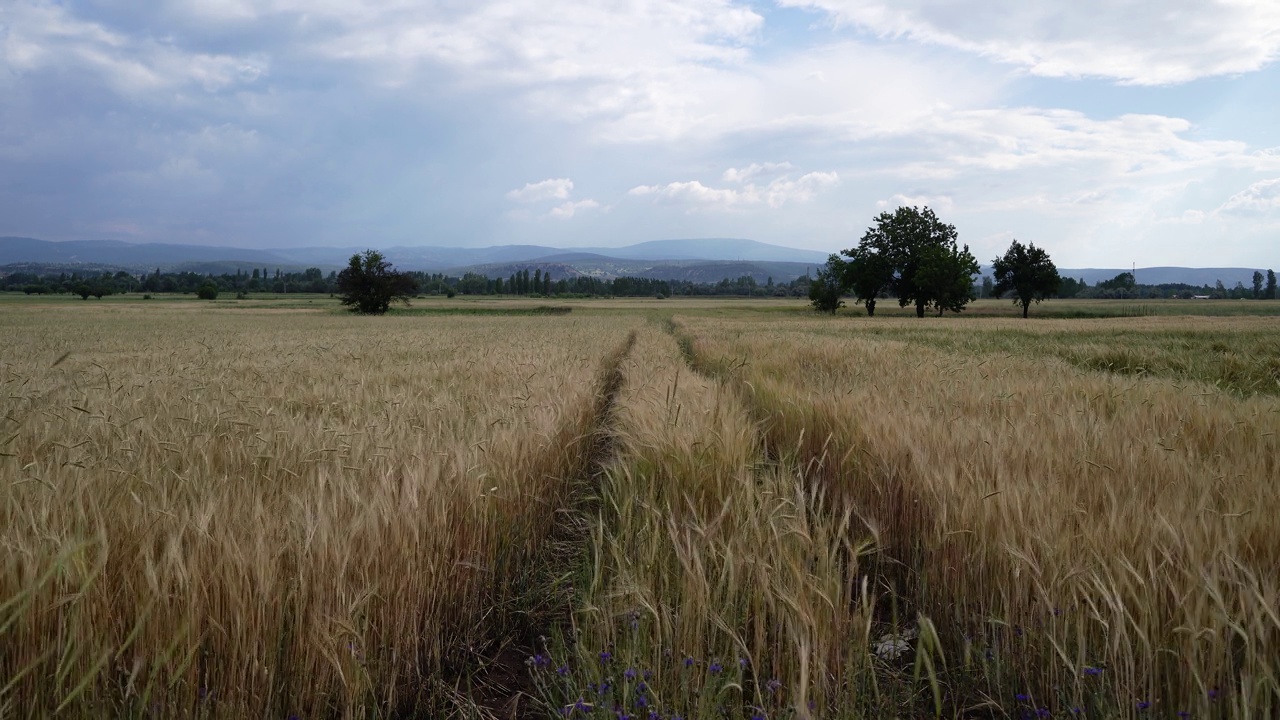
912	256
312	280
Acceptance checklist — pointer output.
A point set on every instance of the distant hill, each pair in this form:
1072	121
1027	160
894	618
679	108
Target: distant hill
204	259
1162	275
696	259
441	259
699	271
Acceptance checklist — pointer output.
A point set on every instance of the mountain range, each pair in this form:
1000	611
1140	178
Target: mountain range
697	260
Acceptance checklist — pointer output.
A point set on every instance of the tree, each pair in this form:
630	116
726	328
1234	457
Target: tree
1071	287
1271	284
369	285
208	290
945	278
1028	272
988	287
825	290
928	266
1257	285
867	273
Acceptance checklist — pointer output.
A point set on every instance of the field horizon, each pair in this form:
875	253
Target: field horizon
647	508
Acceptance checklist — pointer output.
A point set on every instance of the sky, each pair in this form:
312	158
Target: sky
1109	132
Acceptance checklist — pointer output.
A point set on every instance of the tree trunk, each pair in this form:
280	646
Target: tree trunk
871	308
1025	307
919	308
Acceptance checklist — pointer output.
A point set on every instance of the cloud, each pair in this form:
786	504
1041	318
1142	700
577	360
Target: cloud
940	203
549	189
1131	41
568	210
1262	198
754	170
776	193
47	37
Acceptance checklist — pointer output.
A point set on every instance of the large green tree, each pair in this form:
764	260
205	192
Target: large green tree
928	267
369	285
1271	285
1027	272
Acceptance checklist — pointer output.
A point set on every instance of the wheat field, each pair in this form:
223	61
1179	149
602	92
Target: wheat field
639	509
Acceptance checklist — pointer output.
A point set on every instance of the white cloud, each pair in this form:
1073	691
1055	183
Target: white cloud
567	210
549	189
940	203
1132	41
776	193
1259	199
41	35
754	170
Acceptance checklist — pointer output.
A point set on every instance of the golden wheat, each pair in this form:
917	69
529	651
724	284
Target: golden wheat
249	513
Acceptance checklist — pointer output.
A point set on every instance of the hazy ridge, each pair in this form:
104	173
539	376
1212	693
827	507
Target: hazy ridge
697	260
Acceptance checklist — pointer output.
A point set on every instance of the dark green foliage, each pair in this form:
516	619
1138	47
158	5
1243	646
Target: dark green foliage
1027	272
1257	285
868	273
1271	285
1071	287
913	254
369	285
944	277
825	290
208	290
1123	281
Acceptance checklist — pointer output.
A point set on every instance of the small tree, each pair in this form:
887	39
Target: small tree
208	290
944	277
825	290
867	273
1257	285
1028	272
1271	284
369	285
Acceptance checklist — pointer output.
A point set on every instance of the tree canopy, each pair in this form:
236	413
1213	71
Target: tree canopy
915	255
369	285
1027	271
867	274
825	290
